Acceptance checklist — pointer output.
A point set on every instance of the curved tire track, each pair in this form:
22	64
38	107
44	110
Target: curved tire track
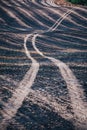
75	92
15	102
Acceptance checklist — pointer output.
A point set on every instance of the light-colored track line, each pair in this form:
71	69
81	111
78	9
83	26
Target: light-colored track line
57	23
74	88
25	85
15	102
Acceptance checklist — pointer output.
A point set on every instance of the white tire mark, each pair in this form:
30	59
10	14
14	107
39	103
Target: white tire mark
15	102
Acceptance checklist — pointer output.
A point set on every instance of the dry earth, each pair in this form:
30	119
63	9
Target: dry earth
65	3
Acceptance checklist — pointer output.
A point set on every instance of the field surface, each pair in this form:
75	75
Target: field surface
43	65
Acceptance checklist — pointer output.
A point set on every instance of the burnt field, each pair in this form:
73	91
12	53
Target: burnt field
43	66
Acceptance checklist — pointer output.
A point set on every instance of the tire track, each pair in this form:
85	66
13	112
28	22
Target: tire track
24	88
75	92
73	86
15	102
